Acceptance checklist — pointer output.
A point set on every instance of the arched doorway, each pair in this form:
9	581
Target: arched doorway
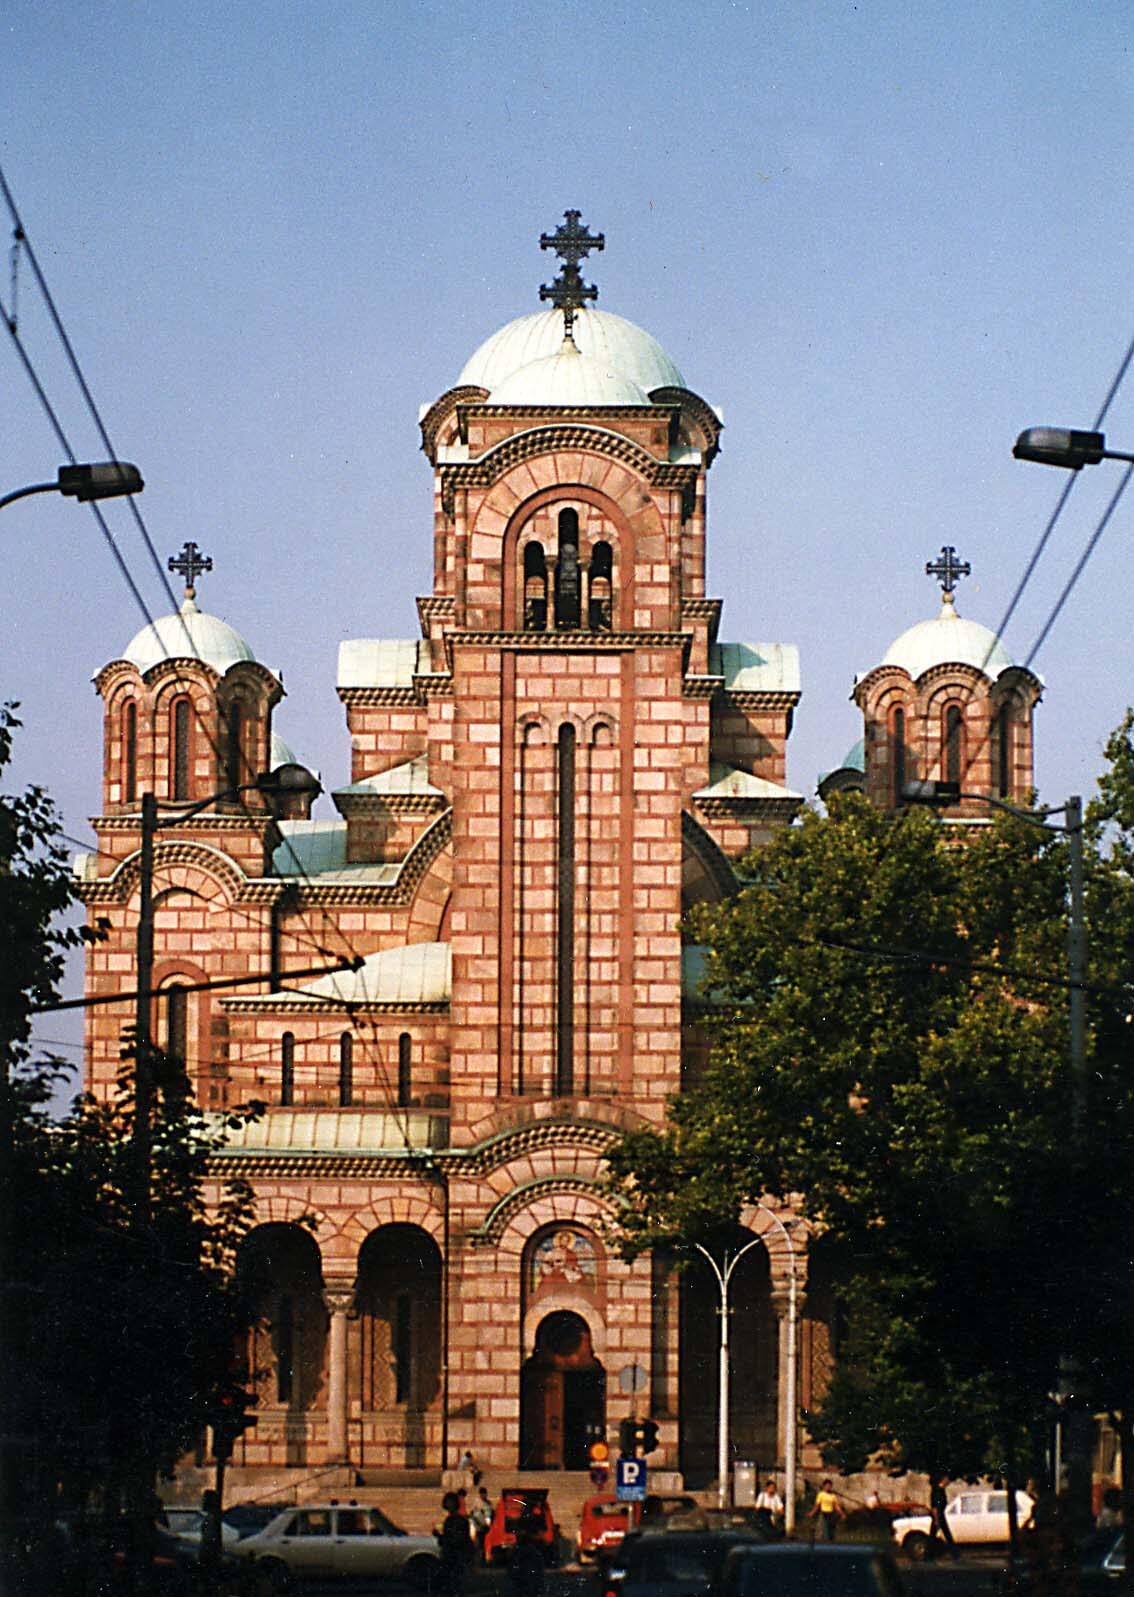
280	1268
397	1342
562	1397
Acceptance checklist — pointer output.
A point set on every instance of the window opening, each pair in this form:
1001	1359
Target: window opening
346	1070
954	734
898	741
130	752
405	1082
177	1024
287	1069
1004	751
234	746
567	571
535	588
402	1339
565	960
599	615
180	763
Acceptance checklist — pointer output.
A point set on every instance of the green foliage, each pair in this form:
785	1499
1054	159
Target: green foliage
120	1330
887	1009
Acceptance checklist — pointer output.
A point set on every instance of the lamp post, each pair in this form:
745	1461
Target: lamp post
103	479
724	1273
271	785
1064	446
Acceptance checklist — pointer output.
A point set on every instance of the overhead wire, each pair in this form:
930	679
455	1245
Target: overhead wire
192	651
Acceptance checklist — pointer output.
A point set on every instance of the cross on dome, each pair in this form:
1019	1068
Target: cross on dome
947	568
189	564
567	292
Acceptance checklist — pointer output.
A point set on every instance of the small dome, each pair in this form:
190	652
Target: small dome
568	378
189	633
948	640
609	339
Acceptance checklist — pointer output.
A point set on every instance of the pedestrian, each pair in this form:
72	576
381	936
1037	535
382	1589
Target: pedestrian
466	1464
480	1517
525	1570
769	1508
938	1519
453	1543
827	1510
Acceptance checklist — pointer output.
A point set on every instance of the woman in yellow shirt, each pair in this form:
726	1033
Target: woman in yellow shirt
828	1509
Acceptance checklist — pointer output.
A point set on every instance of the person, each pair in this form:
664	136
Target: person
769	1508
453	1542
827	1510
467	1466
525	1570
938	1519
480	1518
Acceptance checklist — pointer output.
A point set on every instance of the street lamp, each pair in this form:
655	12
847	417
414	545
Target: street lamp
724	1273
103	479
284	781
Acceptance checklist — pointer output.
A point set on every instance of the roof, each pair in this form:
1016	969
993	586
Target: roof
310	847
381	662
417	973
334	1131
756	667
948	640
619	345
568	378
728	783
191	633
412	777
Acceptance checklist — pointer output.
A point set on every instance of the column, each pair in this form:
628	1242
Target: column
339	1299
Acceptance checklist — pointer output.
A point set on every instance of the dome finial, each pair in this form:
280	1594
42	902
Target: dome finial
568	293
947	568
189	563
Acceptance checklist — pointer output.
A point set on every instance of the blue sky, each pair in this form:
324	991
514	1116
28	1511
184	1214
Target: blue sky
881	237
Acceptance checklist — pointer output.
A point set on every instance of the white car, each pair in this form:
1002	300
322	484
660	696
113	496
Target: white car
321	1539
975	1516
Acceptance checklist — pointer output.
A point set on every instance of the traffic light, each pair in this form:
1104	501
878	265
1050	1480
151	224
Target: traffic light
648	1436
229	1417
627	1437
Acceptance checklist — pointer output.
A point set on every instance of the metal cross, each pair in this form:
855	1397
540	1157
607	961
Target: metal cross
568	292
947	569
189	564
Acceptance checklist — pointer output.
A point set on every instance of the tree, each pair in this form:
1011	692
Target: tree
886	1004
118	1334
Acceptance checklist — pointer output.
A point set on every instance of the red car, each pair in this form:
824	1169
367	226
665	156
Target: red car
521	1503
602	1525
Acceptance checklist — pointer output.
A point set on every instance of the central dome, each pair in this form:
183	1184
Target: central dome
633	362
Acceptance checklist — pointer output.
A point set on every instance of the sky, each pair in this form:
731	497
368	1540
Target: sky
882	237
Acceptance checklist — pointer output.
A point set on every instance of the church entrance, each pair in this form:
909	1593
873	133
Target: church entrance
562	1396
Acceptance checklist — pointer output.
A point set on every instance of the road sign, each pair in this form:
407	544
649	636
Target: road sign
630	1480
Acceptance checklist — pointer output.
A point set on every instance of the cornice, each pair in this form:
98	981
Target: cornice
569	642
371	697
748	808
289	1003
310	890
390	803
435	606
701	687
756	699
495	1222
515	1142
435	417
704	610
206	822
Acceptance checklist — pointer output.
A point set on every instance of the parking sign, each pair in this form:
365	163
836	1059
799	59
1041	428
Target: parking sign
630	1480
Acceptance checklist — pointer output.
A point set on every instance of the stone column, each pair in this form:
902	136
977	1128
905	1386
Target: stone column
339	1299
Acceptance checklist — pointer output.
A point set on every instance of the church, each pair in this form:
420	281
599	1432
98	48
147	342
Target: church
568	756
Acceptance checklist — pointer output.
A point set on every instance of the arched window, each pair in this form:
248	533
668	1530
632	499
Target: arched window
177	1024
405	1081
535	588
1003	751
599	616
898	753
567	571
287	1068
346	1070
179	764
954	761
234	745
130	752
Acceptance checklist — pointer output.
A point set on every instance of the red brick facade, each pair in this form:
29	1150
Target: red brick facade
538	787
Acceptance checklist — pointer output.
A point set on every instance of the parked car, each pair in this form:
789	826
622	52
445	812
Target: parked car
518	1503
670	1563
247	1518
321	1539
188	1524
804	1569
1102	1564
603	1523
675	1511
976	1516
